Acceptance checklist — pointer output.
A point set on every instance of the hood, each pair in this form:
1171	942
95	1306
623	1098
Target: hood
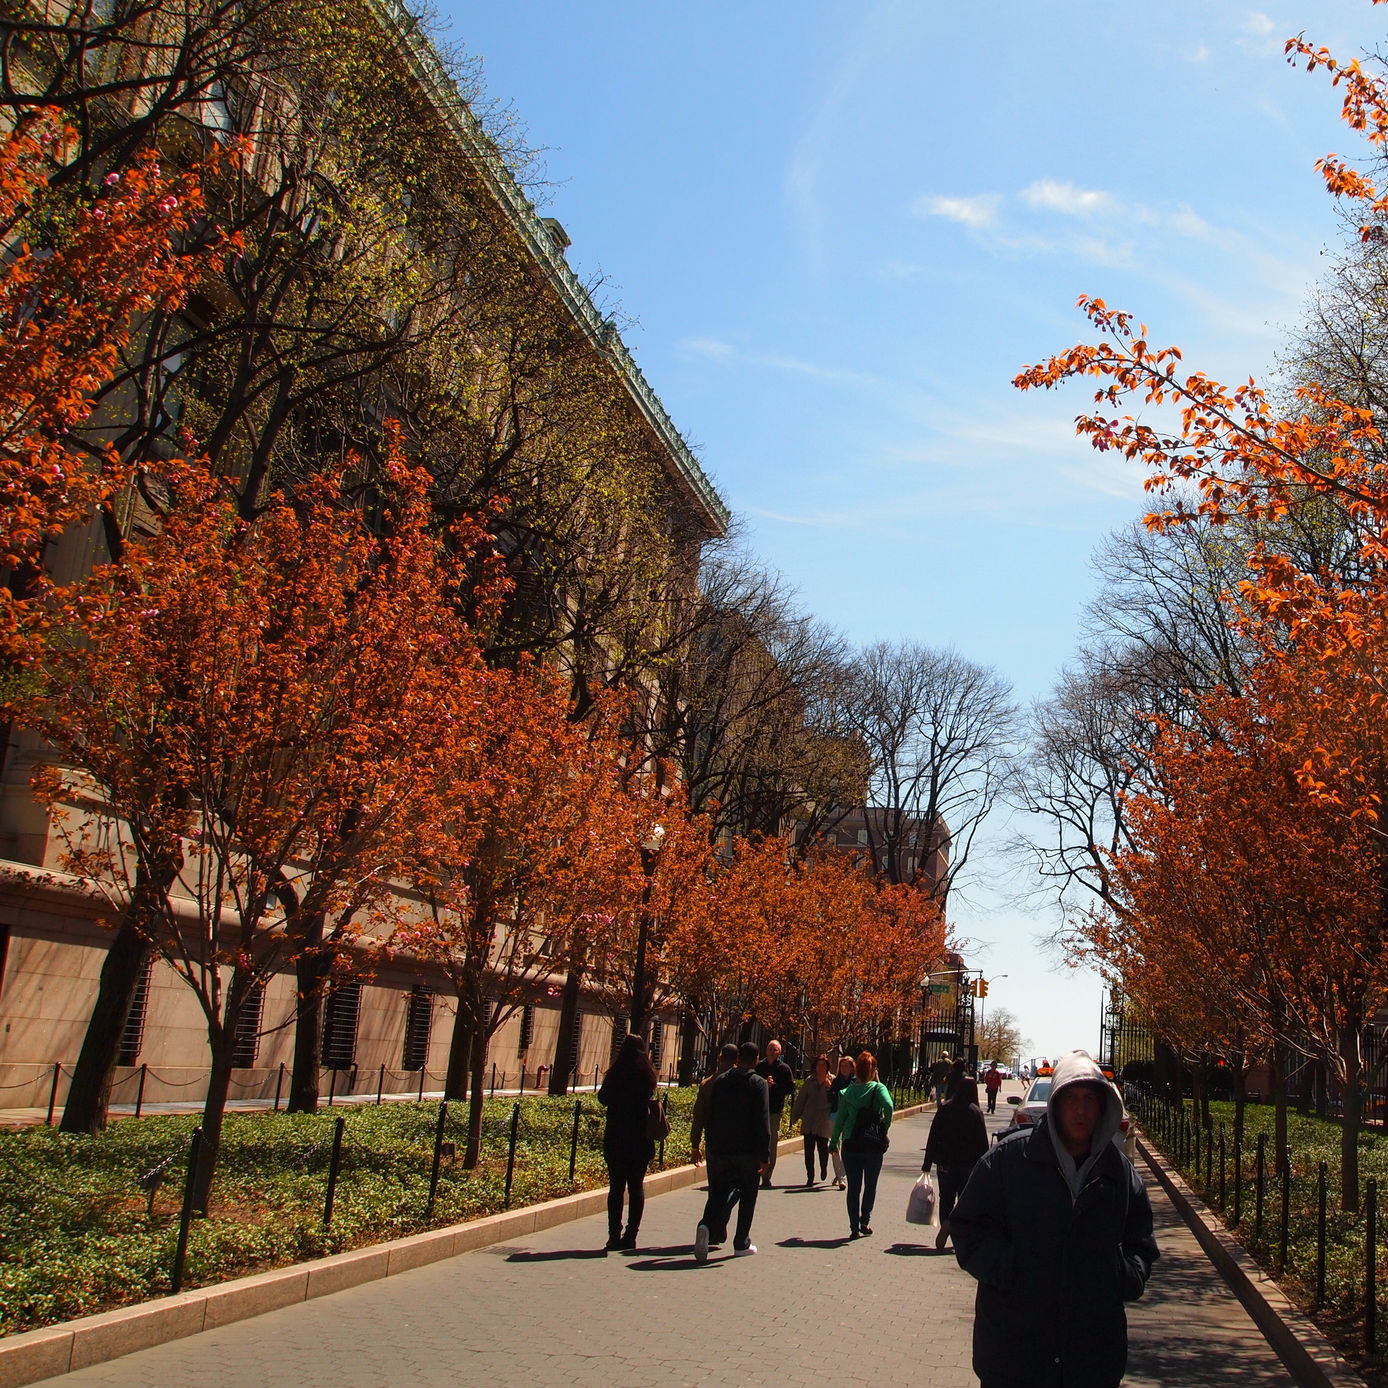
1079	1068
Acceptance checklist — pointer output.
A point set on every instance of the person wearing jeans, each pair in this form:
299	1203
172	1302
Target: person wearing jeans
864	1105
737	1137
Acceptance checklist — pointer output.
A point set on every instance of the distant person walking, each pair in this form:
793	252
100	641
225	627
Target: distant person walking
841	1082
992	1082
738	1136
939	1073
957	1075
860	1129
628	1089
816	1121
958	1138
780	1083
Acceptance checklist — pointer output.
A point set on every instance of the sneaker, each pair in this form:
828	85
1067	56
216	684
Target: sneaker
840	1185
701	1244
744	1252
867	1231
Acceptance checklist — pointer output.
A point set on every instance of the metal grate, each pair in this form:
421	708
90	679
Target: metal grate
419	1021
246	1047
133	1036
340	1026
527	1029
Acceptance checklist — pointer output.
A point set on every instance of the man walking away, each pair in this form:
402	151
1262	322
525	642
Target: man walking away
939	1073
780	1081
1054	1217
698	1120
992	1082
738	1137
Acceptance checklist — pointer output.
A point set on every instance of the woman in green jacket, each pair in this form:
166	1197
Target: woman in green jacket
860	1128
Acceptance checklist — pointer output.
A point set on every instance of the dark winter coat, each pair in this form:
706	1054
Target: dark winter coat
627	1099
1061	1267
739	1116
958	1134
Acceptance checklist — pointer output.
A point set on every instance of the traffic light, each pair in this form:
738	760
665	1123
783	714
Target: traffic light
983	987
973	988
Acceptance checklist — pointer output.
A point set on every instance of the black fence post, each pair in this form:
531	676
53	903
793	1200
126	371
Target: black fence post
140	1092
492	1095
522	1078
1238	1178
1195	1134
332	1087
422	1073
186	1214
1286	1209
53	1091
279	1084
333	1167
381	1083
1371	1267
1321	1183
511	1153
665	1116
1259	1177
438	1154
573	1141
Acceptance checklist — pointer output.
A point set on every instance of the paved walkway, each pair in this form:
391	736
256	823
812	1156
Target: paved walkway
811	1308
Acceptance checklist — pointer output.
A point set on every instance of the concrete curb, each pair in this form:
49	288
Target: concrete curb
1308	1355
58	1349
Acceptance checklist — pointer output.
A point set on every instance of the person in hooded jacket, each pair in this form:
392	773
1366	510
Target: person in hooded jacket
958	1138
1055	1216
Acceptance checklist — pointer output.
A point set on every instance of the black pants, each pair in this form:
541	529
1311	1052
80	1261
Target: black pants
814	1144
731	1181
992	1100
626	1176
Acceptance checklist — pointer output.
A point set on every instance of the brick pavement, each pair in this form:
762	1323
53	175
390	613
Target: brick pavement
812	1307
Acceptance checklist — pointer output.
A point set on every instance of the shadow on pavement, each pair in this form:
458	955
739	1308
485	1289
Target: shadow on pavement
679	1264
553	1255
917	1250
797	1242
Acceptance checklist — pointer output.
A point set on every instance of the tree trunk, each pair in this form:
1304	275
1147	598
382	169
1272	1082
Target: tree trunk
474	1111
561	1075
90	1095
1351	1076
1280	1066
1240	1096
689	1038
213	1111
455	1084
311	968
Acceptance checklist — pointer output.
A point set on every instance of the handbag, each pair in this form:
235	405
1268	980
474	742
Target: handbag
869	1134
922	1203
657	1124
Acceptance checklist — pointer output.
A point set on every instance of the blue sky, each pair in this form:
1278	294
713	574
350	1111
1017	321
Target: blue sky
840	229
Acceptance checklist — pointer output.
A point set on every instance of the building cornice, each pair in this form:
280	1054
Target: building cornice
443	94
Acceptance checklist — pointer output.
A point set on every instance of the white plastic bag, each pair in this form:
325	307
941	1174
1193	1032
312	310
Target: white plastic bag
921	1207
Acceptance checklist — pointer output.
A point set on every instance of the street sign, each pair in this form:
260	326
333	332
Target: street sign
941	987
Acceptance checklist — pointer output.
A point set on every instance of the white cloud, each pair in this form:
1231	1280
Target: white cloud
1200	54
1067	198
1258	24
978	211
707	347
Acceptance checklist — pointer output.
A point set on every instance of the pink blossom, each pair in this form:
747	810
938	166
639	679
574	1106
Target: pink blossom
167	205
111	180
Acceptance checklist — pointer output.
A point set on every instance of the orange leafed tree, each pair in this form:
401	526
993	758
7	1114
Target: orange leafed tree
254	724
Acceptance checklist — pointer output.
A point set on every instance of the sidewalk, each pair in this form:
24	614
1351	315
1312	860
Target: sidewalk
812	1307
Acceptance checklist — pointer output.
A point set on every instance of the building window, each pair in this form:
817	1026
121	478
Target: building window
132	1038
246	1047
619	1031
527	1029
862	836
657	1044
575	1050
419	1019
340	1011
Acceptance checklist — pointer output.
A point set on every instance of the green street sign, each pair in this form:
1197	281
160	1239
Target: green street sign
941	987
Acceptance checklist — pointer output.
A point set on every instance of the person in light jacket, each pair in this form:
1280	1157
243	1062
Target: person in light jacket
811	1107
1055	1217
862	1156
841	1082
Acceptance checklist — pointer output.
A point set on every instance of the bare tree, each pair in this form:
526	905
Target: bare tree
940	732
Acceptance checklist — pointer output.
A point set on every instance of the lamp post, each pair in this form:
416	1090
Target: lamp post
650	856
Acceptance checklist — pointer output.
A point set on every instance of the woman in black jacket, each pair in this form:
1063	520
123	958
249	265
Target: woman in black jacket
627	1091
958	1138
